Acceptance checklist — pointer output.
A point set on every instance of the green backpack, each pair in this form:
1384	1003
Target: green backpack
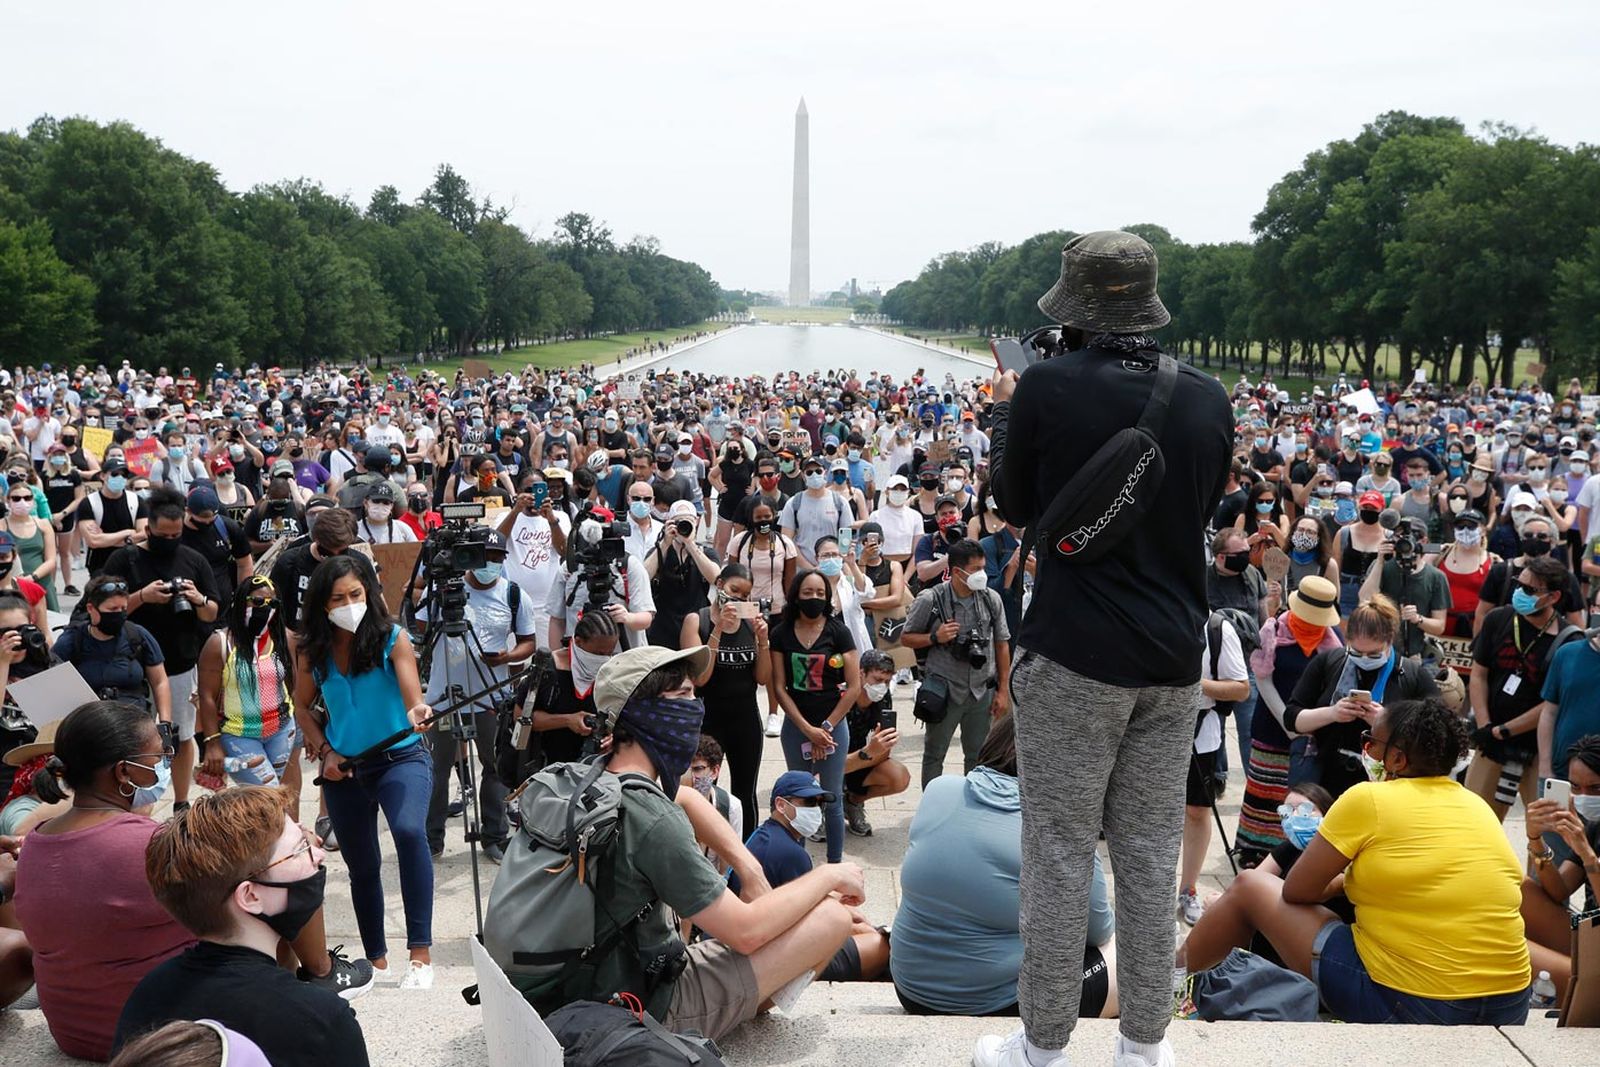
540	925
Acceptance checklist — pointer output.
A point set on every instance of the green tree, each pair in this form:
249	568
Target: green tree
46	309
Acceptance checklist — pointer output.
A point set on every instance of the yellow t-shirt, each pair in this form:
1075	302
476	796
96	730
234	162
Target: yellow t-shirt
1436	888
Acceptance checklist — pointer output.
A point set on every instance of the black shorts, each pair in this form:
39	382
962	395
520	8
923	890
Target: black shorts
1200	790
1091	1001
69	519
845	965
855	783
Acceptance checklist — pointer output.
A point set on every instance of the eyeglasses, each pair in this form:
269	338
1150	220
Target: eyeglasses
1530	590
111	589
307	842
261	601
1368	740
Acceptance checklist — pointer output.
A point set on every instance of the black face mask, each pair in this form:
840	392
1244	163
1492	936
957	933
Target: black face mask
1369	516
305	897
162	547
812	607
257	617
111	622
764	528
929	483
1236	561
1533	548
418	504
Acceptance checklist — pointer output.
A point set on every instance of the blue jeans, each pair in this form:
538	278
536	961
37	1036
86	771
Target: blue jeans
276	749
829	771
1350	994
397	781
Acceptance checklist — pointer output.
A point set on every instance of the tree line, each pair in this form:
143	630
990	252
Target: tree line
1457	250
113	247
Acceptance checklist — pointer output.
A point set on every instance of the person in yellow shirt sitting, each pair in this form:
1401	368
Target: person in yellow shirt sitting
1438	936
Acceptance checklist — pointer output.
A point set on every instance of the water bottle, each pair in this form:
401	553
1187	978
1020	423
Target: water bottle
1544	993
234	764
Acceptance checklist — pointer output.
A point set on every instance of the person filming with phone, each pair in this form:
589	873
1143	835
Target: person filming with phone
1344	689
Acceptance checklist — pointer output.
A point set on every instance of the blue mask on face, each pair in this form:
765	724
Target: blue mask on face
1300	826
830	567
1524	602
1344	511
145	795
116	483
487	574
1370	663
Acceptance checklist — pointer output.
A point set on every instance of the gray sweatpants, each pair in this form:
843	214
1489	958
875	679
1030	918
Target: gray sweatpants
1092	755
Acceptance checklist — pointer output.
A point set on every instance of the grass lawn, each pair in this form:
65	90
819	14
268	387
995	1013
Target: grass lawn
1388	366
596	350
972	343
805	314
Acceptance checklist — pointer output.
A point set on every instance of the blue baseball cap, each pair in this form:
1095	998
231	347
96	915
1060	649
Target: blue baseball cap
801	785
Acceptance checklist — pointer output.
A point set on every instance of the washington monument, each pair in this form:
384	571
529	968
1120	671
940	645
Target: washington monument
800	232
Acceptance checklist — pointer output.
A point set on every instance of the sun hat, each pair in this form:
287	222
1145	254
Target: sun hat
1316	601
622	673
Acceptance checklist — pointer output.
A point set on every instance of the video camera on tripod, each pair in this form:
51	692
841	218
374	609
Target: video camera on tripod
597	551
460	545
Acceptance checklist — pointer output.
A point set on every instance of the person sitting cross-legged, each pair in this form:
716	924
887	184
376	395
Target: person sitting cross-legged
779	845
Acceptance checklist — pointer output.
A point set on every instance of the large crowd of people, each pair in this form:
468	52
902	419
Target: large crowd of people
707	569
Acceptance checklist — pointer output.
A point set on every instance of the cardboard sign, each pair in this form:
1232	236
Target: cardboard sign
629	388
96	440
1362	400
514	1034
475	368
395	563
1455	653
1582	1006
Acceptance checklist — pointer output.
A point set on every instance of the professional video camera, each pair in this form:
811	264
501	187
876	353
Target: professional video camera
450	551
597	551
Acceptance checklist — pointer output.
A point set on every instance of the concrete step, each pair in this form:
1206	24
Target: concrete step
861	1025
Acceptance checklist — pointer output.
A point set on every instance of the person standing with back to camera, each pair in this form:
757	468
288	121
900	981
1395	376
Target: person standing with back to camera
1107	674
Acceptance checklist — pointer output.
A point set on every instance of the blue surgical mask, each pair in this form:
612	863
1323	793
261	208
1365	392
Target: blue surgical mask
1344	511
145	795
1524	602
1261	442
831	567
1299	825
489	573
116	483
854	455
1370	663
639	509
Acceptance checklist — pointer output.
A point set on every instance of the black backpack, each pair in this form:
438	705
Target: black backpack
1249	641
1110	493
604	1035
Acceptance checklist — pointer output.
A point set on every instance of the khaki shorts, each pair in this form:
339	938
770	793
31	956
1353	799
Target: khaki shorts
716	992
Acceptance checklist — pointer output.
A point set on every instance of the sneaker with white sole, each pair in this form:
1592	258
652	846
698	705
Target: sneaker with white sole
1189	906
774	723
1010	1051
1126	1057
419	975
346	977
855	819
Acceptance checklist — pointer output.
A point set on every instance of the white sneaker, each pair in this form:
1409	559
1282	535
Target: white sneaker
1010	1051
786	998
1123	1056
418	976
774	723
1190	907
902	676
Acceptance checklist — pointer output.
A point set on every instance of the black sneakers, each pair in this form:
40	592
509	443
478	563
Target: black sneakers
348	978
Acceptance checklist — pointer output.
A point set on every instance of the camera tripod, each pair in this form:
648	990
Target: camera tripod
468	697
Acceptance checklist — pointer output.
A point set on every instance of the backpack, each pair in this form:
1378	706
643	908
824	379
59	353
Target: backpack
1111	492
355	489
1249	641
97	507
605	1035
541	923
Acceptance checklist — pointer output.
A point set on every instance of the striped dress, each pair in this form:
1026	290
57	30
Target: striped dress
256	701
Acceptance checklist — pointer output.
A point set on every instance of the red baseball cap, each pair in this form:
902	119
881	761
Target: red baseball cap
220	464
1370	499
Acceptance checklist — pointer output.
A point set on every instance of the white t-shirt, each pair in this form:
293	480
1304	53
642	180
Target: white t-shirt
394	533
455	659
49	429
1588	497
902	527
639	598
1230	668
533	564
378	434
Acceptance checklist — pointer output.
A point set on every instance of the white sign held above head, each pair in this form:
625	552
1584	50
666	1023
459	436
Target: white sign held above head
629	388
512	1030
1362	400
50	695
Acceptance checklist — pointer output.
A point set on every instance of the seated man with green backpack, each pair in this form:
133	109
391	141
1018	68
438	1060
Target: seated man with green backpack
583	907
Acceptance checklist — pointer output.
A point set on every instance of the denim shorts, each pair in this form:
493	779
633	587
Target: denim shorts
276	749
1350	994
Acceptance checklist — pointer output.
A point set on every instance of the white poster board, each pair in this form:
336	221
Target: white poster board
629	388
1362	400
52	694
513	1031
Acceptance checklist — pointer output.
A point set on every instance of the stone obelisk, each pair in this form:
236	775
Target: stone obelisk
800	229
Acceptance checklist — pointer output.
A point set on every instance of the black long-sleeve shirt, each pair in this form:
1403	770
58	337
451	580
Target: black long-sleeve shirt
1136	616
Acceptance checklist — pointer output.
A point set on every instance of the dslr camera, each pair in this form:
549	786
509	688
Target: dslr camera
174	588
973	645
597	551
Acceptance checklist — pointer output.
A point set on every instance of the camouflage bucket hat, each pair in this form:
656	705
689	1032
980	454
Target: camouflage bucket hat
1107	285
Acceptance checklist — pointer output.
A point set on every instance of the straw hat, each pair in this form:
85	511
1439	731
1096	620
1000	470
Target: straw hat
1315	601
43	745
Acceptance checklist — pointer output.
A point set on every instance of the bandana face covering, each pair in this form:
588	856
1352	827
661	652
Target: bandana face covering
668	729
585	666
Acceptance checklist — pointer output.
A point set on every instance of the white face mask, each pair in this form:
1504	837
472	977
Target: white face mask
805	821
898	497
876	690
978	581
954	485
1587	807
378	512
348	617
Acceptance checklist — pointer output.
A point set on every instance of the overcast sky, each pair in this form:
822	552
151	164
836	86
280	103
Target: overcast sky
934	126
